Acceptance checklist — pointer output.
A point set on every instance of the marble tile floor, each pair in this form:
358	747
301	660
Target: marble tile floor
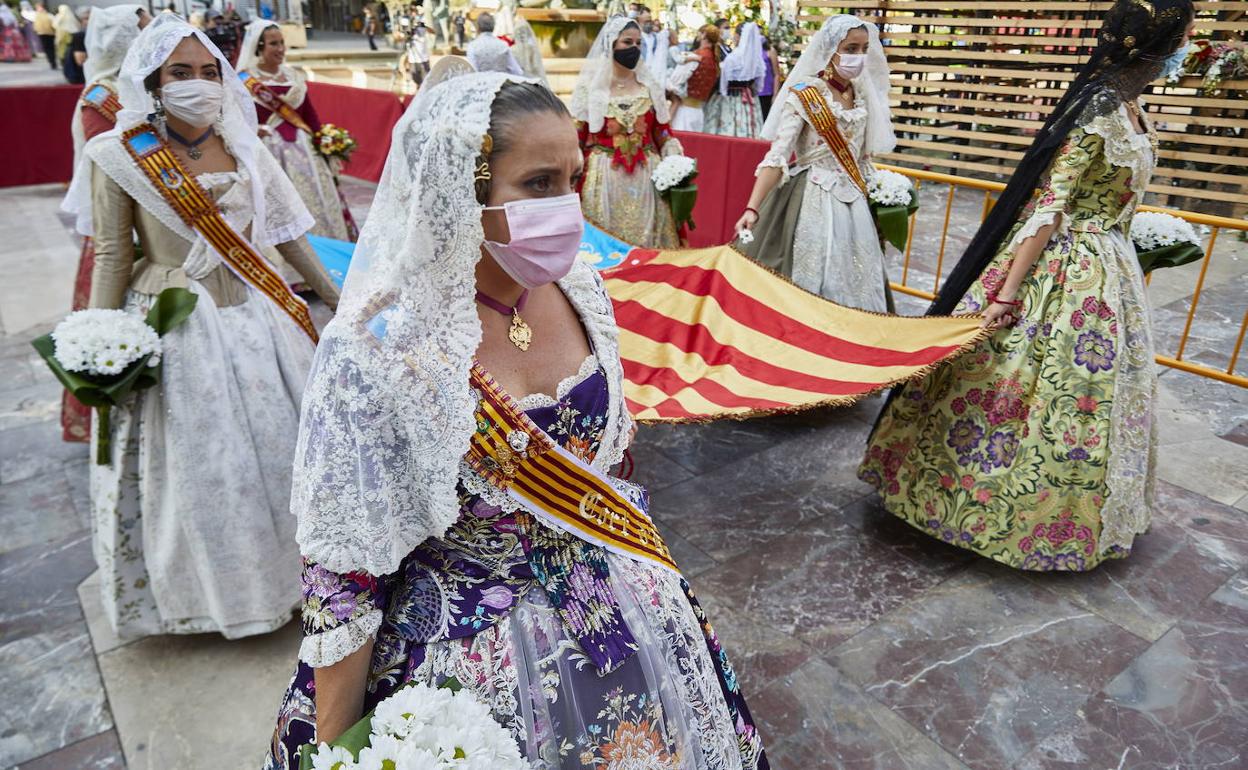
860	643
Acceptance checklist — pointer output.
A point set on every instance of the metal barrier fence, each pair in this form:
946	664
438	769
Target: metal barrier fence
1215	223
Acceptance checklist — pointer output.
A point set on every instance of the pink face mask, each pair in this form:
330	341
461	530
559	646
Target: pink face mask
545	238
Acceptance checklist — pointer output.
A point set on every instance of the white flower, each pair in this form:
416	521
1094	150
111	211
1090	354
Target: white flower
889	188
1153	230
673	171
332	758
103	342
422	728
746	237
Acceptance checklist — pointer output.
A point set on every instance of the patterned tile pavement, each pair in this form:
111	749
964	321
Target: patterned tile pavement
861	643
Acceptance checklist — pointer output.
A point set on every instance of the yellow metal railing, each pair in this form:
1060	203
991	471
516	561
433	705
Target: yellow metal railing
1215	223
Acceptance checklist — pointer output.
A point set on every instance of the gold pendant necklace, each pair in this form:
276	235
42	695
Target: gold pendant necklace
520	333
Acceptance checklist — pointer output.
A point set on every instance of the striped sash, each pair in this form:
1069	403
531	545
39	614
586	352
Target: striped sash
103	100
265	97
514	455
824	123
197	209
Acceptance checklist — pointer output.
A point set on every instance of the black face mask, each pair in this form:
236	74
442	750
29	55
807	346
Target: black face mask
628	57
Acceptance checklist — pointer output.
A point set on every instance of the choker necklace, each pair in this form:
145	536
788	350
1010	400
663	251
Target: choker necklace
520	333
840	89
192	148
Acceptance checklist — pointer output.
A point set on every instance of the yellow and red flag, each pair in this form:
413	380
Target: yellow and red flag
709	333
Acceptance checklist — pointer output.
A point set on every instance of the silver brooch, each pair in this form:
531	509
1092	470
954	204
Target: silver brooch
518	440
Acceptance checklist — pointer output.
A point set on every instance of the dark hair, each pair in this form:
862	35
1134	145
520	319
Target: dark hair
515	100
721	21
485	23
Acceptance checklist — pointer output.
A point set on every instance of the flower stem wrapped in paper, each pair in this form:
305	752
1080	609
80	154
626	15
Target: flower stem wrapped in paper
1164	240
102	356
673	178
893	202
334	142
421	728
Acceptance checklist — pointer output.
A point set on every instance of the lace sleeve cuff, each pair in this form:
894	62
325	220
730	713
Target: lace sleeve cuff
329	647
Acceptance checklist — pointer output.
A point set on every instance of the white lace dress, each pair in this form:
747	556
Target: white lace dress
836	251
192	518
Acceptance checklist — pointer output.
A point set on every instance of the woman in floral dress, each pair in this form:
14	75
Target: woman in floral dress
420	564
1035	449
622	116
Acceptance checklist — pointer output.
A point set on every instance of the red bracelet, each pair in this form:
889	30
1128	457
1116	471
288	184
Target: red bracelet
752	210
994	299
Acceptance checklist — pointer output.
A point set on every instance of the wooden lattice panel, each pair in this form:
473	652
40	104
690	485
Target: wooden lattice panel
973	80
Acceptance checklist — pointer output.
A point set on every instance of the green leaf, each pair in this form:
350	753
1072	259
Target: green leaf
1176	255
171	308
451	684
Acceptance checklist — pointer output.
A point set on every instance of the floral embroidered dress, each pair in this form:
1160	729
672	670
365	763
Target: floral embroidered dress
617	192
1035	448
588	658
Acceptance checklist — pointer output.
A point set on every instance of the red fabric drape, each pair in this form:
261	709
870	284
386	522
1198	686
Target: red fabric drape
725	178
43	114
35	123
368	115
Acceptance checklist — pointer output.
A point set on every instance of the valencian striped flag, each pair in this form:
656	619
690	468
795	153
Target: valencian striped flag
709	333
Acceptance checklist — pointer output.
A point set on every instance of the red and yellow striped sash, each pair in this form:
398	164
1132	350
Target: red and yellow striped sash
824	122
513	454
197	209
265	97
103	100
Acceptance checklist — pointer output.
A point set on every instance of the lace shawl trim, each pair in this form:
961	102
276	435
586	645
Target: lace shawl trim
329	647
1125	147
539	400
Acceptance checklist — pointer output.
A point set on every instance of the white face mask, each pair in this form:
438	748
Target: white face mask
198	102
851	65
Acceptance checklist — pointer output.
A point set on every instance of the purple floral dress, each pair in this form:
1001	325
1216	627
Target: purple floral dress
588	658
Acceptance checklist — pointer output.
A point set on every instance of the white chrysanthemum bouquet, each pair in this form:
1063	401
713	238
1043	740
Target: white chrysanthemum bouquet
673	178
422	728
1164	240
893	202
102	356
888	188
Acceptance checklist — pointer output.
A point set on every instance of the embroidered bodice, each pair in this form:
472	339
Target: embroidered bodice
797	138
292	87
630	130
1097	179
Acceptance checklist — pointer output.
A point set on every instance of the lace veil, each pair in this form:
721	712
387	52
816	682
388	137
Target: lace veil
109	35
745	62
872	84
278	214
387	412
592	93
247	58
528	50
